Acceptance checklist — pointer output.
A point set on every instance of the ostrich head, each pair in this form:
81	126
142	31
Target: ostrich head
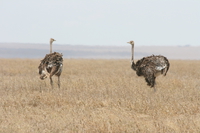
52	40
131	42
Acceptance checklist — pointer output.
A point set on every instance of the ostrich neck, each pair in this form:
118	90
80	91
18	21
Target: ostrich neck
133	66
50	47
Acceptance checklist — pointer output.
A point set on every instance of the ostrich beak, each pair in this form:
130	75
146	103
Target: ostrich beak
131	42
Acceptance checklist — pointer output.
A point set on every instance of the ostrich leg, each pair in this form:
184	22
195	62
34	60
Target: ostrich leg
148	83
59	81
151	81
51	81
154	88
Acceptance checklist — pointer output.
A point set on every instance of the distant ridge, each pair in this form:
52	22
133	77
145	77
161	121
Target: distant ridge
28	50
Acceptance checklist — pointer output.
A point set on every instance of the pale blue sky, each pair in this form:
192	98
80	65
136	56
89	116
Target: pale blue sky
101	22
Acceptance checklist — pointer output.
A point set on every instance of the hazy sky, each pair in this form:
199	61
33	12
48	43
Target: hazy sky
101	22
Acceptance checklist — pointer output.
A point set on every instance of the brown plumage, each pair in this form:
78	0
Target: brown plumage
51	65
150	67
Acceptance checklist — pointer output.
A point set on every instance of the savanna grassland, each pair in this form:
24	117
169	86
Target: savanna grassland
98	96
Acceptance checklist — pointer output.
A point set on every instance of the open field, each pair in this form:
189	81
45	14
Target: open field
98	96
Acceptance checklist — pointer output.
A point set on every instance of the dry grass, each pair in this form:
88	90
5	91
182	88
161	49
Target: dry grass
98	96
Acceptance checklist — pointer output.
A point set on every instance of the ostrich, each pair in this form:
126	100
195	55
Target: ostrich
150	67
51	65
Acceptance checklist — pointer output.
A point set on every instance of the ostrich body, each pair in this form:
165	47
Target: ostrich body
150	67
51	65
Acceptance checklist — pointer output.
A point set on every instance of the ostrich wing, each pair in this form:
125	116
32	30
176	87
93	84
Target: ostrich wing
50	60
159	63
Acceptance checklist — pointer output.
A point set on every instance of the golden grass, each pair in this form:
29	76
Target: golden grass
98	96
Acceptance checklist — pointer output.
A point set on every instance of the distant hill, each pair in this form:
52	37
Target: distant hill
23	50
